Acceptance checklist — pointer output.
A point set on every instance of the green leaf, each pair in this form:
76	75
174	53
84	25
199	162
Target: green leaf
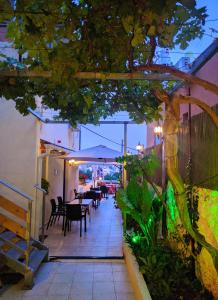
151	30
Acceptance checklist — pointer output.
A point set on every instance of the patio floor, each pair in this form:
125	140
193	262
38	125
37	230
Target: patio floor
102	239
76	280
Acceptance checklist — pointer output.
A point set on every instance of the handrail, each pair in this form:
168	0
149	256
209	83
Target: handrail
37	186
16	190
28	220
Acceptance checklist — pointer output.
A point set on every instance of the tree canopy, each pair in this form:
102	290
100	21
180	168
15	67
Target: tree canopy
65	37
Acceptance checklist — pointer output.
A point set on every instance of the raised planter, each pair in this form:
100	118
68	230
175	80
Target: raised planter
136	278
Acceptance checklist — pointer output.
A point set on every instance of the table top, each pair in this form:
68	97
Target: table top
84	202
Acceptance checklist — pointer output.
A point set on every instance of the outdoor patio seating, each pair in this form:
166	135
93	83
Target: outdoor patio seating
74	213
55	213
61	206
92	195
76	194
104	191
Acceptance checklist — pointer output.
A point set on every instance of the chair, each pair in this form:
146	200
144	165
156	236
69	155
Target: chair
104	191
92	195
74	213
61	204
55	212
76	194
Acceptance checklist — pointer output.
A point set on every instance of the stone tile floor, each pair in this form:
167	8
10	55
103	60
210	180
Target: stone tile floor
74	280
103	236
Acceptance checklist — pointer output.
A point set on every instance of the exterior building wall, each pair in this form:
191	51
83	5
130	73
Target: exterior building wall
207	72
18	155
60	134
21	163
72	181
55	179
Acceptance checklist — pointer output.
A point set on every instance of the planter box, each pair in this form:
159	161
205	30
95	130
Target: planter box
136	278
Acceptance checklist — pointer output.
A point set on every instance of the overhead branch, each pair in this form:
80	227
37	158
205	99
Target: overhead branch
206	108
91	75
179	74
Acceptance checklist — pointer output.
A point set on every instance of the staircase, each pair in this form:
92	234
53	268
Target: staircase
18	250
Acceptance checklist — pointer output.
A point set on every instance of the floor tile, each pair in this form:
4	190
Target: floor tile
123	287
125	296
103	276
83	277
103	287
80	296
106	267
120	276
104	228
59	289
104	296
84	287
63	278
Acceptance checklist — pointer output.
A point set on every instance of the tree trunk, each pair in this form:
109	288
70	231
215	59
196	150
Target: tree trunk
170	129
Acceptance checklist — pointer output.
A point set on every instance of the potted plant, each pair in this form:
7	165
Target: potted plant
45	185
82	178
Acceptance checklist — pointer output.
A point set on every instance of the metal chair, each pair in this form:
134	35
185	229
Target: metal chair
92	195
54	213
104	191
74	213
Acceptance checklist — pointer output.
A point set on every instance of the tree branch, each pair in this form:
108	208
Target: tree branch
206	108
179	74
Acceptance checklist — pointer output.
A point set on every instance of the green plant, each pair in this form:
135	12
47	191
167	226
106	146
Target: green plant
139	201
169	276
45	185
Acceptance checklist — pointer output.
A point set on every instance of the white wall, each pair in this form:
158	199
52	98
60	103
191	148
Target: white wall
72	181
55	179
60	134
19	144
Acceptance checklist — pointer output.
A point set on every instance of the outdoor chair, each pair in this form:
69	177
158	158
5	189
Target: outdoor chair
92	195
74	213
76	194
61	205
104	191
55	212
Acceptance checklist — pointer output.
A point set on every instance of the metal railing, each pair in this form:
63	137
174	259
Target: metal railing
28	220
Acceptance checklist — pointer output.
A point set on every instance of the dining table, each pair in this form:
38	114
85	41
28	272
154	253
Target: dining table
85	203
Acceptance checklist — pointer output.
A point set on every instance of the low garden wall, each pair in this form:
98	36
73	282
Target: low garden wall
137	280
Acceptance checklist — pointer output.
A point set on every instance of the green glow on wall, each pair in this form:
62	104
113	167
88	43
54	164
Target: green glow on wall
208	211
173	219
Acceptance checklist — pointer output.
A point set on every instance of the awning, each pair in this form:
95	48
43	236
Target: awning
100	154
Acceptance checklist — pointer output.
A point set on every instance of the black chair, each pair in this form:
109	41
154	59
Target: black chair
61	205
104	191
76	194
95	189
74	213
92	195
54	213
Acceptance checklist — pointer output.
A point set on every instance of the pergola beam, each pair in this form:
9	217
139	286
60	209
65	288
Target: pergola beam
93	75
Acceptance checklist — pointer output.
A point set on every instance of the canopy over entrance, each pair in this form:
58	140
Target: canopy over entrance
100	154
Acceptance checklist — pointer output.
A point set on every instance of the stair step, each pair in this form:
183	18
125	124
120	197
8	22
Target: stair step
36	257
13	253
7	235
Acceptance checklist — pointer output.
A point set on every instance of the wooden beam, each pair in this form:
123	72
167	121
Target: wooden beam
117	122
93	75
13	208
13	226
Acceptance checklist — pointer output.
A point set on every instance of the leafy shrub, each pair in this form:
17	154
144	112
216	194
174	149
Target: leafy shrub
45	185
